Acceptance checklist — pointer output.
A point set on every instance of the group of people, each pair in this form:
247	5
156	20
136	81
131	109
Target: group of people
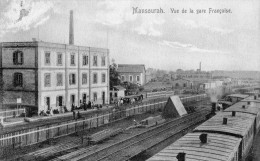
50	111
122	101
84	106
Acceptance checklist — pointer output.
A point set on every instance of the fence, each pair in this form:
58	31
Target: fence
39	134
193	98
12	113
159	94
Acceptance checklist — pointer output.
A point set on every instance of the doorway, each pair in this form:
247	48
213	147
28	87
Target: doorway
103	97
72	99
60	100
84	98
47	102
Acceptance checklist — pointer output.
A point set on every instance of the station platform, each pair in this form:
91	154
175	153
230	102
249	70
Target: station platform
19	123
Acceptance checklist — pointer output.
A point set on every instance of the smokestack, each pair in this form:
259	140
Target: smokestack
200	66
71	34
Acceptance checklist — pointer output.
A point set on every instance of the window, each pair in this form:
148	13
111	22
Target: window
138	78
59	59
18	79
72	59
47	58
103	78
59	101
47	80
47	102
72	99
123	78
85	60
130	78
72	79
103	63
84	97
18	57
59	79
94	60
95	96
84	78
95	78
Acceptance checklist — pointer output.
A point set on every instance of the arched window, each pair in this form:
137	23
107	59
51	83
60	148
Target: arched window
18	57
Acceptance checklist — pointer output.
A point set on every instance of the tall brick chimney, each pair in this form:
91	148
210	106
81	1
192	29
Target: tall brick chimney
71	34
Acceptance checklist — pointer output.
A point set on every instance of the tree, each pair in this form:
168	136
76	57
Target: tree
114	79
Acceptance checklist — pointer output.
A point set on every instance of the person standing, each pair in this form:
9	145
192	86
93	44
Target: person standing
89	104
74	114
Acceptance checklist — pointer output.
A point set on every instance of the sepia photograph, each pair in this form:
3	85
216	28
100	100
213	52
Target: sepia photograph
129	80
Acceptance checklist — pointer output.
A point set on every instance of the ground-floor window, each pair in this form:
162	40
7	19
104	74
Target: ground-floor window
47	102
72	99
59	101
103	97
84	97
95	96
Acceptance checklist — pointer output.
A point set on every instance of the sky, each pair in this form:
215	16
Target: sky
169	41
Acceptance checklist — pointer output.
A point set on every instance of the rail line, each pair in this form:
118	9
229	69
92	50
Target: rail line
105	152
120	155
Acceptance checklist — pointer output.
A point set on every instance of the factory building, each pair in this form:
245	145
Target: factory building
50	76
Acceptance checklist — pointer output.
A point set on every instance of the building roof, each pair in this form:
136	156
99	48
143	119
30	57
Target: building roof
238	95
251	99
219	147
251	109
237	125
131	68
53	45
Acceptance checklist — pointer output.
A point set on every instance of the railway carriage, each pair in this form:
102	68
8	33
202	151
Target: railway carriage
201	147
231	99
230	135
236	124
249	108
225	125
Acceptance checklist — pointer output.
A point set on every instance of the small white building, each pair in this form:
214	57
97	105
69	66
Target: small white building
116	93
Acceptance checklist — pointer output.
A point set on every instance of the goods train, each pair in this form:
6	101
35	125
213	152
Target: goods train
227	136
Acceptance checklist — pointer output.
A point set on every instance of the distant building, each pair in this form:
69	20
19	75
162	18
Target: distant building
199	75
133	73
182	83
48	75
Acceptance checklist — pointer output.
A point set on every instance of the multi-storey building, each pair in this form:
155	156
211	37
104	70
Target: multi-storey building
48	75
199	75
132	73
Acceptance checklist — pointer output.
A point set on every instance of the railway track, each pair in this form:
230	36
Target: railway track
109	152
133	149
